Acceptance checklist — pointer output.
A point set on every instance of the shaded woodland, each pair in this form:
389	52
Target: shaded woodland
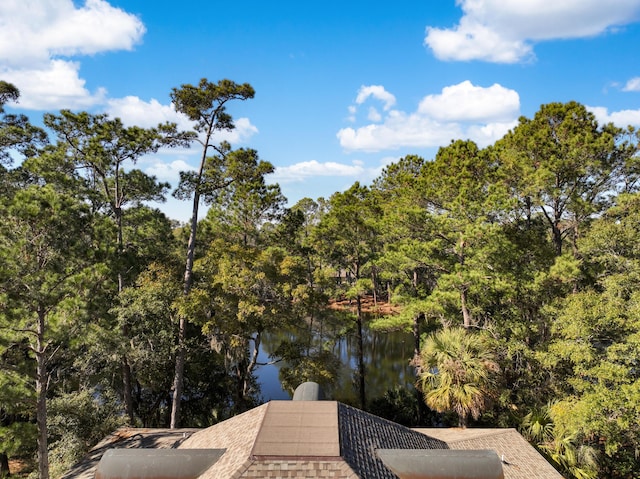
515	267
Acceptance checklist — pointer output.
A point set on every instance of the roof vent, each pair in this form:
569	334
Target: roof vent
308	391
156	463
442	463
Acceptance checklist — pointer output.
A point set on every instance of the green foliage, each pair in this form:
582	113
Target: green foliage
8	92
46	280
561	444
399	405
147	312
243	291
530	244
457	372
77	421
220	172
205	103
303	364
347	233
16	133
564	166
101	150
595	344
17	429
392	322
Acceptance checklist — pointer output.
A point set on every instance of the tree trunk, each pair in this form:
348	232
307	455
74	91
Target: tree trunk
4	465
191	247
127	382
466	314
374	280
41	397
463	420
421	410
252	364
311	315
361	370
127	386
178	377
415	327
557	239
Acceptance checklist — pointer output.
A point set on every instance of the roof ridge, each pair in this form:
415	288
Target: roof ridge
486	432
259	428
300	429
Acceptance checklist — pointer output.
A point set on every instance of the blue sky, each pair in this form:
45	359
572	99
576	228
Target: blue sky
342	88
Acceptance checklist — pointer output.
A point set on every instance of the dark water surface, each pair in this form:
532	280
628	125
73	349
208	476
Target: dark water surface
386	357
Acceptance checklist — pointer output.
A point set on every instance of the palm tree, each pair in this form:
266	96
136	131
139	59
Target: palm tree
456	371
558	442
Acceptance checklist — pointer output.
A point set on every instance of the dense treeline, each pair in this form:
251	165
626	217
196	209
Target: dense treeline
515	266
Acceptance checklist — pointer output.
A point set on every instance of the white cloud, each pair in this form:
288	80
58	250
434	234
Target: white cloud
134	111
502	31
485	135
632	85
378	92
240	134
398	130
48	28
471	41
168	171
38	38
464	111
54	86
310	169
316	179
466	102
374	115
622	118
352	109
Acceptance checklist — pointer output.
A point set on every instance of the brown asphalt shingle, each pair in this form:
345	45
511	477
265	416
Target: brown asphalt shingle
307	439
520	459
299	429
131	438
319	439
361	434
237	435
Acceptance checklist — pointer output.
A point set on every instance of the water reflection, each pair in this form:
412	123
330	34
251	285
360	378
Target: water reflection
386	357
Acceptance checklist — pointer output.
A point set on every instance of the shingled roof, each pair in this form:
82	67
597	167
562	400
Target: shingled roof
306	439
520	460
129	438
318	439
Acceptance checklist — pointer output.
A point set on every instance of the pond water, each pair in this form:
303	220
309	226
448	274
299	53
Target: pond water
386	358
